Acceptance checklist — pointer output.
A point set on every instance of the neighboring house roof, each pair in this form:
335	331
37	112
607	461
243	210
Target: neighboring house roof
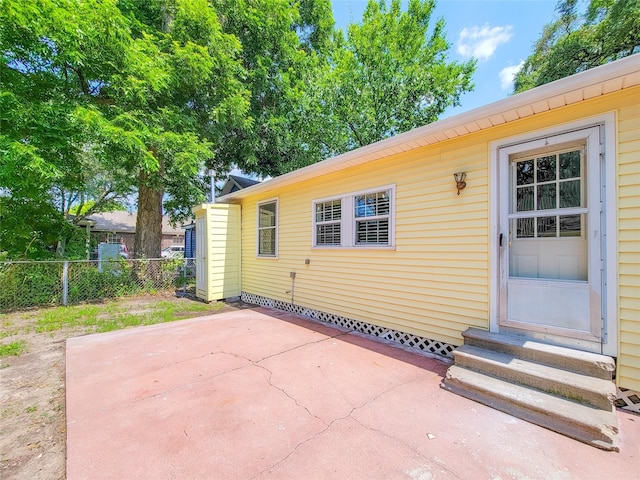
235	183
571	90
125	222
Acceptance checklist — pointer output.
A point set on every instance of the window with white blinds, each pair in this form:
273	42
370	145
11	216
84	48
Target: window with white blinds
359	219
372	218
328	222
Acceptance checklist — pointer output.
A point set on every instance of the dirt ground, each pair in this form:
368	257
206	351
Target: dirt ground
32	395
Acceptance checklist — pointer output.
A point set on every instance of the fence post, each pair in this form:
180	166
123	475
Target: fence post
65	282
184	276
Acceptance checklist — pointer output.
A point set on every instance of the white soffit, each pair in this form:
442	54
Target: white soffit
609	78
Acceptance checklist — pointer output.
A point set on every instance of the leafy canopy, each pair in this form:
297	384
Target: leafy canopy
282	44
577	41
390	74
50	52
100	98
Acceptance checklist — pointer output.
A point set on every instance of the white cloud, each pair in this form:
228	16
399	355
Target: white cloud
507	74
481	42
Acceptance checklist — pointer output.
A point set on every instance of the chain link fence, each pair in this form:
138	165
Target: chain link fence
34	283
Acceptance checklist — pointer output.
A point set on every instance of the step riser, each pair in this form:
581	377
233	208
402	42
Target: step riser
583	433
602	400
596	370
564	390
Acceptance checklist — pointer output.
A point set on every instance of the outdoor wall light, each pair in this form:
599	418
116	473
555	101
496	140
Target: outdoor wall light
460	183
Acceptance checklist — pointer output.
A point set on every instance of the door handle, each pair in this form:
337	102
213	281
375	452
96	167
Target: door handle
500	239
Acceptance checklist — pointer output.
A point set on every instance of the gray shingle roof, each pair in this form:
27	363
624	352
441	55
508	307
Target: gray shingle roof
125	222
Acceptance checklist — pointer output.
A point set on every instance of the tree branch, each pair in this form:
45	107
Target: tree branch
94	208
84	86
355	132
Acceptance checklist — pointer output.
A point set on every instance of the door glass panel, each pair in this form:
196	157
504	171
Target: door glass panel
546	168
525	228
550	246
570	194
524	200
524	174
570	225
547	196
570	165
546	226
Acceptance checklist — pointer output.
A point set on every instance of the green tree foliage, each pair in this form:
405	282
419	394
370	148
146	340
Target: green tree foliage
575	41
282	44
181	92
46	163
101	97
389	75
315	93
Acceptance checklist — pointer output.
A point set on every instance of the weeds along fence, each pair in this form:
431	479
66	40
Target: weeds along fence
65	282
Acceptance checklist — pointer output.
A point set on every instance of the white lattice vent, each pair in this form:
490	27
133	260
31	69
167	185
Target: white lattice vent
413	341
628	400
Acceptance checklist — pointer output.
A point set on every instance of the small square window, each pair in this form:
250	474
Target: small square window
267	229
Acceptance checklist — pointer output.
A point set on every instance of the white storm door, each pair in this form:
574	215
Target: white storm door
551	278
201	258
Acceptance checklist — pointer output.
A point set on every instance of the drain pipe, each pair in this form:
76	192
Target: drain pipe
293	285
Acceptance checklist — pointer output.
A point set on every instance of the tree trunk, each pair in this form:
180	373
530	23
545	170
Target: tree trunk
148	238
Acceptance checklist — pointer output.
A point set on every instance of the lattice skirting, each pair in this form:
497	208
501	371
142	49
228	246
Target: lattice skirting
628	400
406	339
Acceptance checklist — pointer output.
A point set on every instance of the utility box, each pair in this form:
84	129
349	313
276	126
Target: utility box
108	254
217	251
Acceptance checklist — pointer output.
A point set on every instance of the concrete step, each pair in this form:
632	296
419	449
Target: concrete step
586	363
597	392
590	425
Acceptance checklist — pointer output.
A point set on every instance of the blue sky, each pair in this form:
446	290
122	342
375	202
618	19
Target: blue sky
500	34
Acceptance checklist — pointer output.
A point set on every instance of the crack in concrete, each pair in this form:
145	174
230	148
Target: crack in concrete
287	394
328	337
195	382
300	444
329	425
256	363
237	355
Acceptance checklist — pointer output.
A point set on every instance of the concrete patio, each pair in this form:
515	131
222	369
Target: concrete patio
259	393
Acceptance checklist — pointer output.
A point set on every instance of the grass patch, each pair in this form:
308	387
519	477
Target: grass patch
113	316
13	349
8	329
67	317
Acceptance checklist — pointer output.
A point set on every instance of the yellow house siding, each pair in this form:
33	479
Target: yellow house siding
629	246
435	282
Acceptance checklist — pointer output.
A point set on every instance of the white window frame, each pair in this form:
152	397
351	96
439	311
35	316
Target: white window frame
316	223
258	228
348	220
114	237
